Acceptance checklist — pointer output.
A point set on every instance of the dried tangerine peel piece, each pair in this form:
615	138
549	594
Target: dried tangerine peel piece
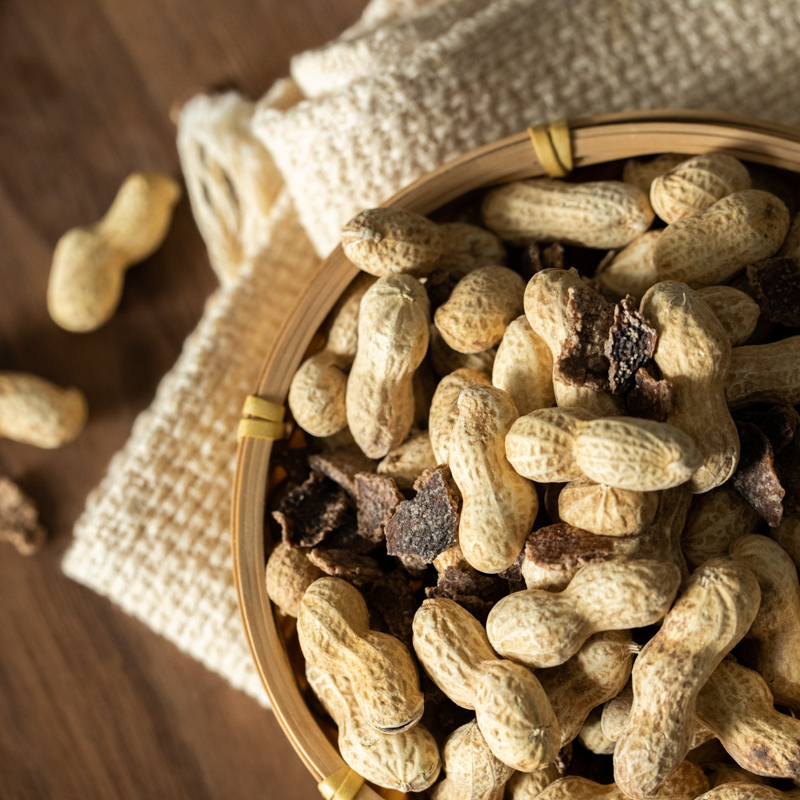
426	525
342	465
378	497
630	345
649	398
755	477
312	511
776	283
347	565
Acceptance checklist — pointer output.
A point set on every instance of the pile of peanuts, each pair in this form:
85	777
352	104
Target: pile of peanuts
648	562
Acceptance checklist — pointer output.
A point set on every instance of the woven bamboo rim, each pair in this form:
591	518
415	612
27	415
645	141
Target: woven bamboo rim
594	140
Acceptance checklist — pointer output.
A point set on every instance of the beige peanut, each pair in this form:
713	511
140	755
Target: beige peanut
736	704
716	607
602	214
552	445
446	360
686	783
473	771
693	352
631	270
713	245
334	635
787	535
523	367
35	411
553	555
617	710
512	710
392	341
642	172
89	263
748	791
318	389
546	300
499	504
386	241
544	629
408	461
591	735
289	574
764	373
606	510
716	520
444	408
528	785
775	632
480	308
737	312
596	673
407	761
696	184
467	247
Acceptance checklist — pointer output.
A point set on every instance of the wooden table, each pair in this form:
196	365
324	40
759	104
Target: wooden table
92	703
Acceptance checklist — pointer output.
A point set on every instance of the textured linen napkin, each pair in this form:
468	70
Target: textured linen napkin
412	85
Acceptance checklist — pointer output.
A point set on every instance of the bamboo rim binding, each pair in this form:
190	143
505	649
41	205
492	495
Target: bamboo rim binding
262	420
553	147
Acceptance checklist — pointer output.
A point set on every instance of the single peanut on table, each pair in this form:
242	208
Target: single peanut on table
392	341
89	263
499	504
36	411
512	710
334	634
407	761
544	629
716	607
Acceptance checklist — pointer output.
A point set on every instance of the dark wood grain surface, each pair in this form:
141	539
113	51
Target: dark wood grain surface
92	703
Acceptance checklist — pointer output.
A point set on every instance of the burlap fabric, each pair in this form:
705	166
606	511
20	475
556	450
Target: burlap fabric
412	85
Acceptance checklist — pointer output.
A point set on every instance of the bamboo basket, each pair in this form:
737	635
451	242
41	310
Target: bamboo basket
594	140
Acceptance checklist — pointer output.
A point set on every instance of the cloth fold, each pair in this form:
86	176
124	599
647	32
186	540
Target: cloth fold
412	85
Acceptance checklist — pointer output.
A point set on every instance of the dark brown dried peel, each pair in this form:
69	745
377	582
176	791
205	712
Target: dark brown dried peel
565	545
755	477
513	574
649	398
19	519
583	361
426	525
309	513
553	256
778	424
342	465
776	284
392	604
351	567
453	581
378	497
630	345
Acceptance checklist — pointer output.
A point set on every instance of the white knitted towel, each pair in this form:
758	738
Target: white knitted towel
509	64
412	85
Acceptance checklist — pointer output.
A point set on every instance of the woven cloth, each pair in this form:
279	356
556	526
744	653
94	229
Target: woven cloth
412	85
